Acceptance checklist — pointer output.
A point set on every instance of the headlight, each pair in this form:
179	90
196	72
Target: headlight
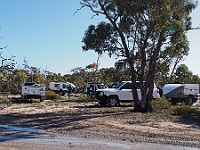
100	93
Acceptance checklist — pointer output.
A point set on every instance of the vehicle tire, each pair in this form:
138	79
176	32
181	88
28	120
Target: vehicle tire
112	101
61	93
189	100
41	99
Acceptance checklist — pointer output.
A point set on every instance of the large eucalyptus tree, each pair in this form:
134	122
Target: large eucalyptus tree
144	33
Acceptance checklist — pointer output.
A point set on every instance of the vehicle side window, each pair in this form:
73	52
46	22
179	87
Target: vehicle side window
57	85
138	86
65	86
99	86
91	87
128	86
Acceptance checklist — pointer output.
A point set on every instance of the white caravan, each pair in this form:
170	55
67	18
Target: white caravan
188	93
60	87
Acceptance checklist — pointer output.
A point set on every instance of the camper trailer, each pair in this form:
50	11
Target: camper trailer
60	87
188	93
33	90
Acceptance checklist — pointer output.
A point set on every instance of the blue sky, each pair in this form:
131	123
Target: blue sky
49	35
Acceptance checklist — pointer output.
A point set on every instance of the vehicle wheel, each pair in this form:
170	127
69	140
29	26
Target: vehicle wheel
112	101
41	99
189	100
61	93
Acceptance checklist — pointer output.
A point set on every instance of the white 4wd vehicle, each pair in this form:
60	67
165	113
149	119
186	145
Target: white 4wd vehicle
120	92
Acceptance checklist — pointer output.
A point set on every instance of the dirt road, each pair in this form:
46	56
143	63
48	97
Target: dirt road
79	125
21	138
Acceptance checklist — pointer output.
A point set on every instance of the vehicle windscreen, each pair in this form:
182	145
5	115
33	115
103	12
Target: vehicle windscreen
100	86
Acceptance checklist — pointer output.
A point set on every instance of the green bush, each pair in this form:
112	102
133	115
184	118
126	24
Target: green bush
52	95
186	111
5	102
85	98
160	103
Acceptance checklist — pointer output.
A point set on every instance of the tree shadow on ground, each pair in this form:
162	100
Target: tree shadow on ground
80	117
22	101
64	120
192	121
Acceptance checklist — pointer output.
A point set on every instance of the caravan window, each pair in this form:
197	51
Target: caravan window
57	85
65	86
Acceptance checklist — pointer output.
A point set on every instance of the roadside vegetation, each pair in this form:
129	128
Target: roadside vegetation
52	95
186	111
161	103
5	102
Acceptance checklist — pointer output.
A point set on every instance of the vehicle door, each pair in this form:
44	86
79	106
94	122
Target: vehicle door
139	89
191	89
125	92
33	91
65	87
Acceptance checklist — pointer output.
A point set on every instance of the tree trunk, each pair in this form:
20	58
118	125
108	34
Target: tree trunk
149	107
137	106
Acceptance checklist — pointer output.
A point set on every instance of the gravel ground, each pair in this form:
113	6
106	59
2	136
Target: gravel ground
88	120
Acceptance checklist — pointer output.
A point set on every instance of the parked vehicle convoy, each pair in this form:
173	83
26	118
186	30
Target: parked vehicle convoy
188	93
33	90
120	92
60	87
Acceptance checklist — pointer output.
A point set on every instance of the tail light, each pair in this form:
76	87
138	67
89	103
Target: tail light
158	90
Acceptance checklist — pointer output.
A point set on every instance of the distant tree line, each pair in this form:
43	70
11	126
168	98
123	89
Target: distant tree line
11	78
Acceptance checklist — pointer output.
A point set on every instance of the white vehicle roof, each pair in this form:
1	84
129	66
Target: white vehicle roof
68	83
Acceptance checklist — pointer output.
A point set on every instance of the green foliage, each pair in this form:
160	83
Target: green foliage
160	103
98	38
52	95
186	111
183	74
85	98
5	102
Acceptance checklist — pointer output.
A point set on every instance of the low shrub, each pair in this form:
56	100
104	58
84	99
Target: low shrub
5	102
85	98
160	103
186	111
52	95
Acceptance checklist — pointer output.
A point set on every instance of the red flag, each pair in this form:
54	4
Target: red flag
94	65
